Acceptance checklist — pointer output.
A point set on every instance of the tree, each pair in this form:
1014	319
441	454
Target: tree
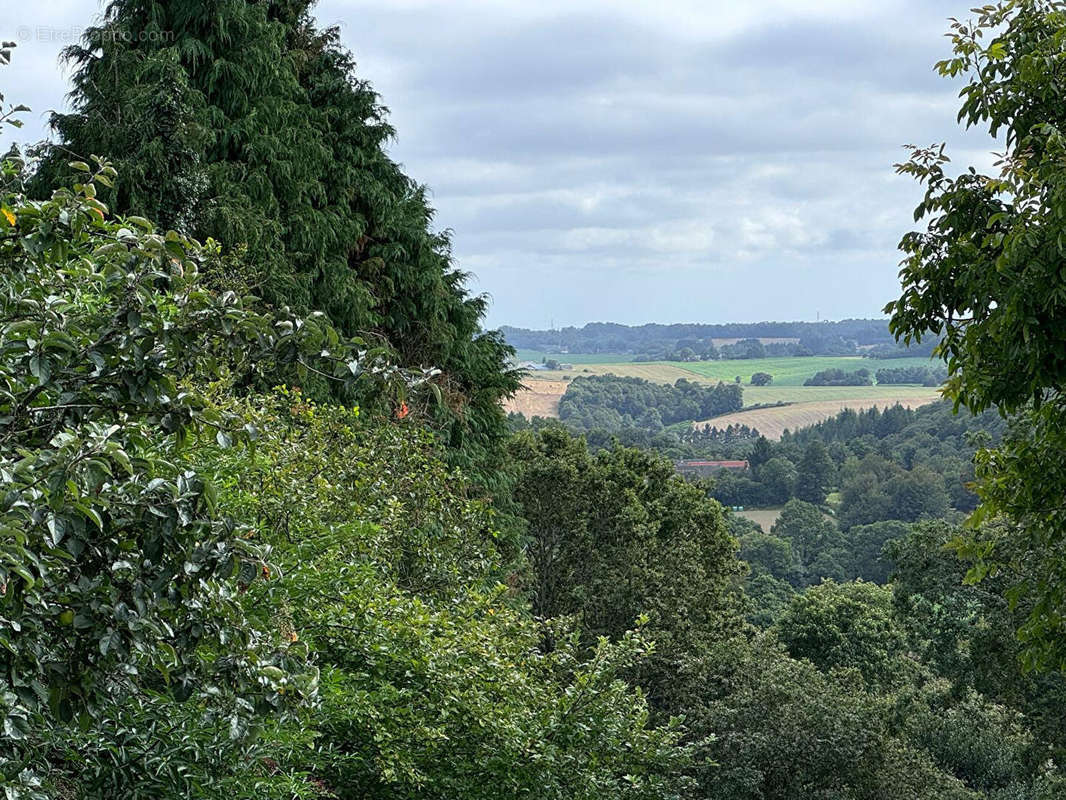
762	379
436	681
761	452
119	572
983	277
837	625
810	533
785	730
258	133
779	477
617	535
814	474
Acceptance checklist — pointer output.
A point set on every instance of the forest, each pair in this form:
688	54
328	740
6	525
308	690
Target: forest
267	532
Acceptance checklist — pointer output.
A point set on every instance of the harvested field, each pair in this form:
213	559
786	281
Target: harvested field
537	399
772	422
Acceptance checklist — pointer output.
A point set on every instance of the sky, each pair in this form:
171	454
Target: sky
630	161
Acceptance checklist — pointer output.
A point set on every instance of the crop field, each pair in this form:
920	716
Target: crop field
537	399
809	404
791	371
758	395
772	422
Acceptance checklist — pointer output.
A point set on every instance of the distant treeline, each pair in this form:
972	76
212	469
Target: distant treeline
926	376
611	402
694	342
838	377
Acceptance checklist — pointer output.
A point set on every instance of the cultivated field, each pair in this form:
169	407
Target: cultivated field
810	403
772	422
792	371
757	395
537	399
786	371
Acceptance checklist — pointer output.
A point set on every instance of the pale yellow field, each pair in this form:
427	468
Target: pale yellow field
772	422
537	399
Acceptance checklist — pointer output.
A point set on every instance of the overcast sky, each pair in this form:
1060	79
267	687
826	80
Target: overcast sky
667	161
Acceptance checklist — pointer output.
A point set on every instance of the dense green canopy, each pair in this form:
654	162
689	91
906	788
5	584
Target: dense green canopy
243	122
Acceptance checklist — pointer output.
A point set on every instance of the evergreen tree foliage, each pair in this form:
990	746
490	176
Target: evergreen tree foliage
814	473
243	122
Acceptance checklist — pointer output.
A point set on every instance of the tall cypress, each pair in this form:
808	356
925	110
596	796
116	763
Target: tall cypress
242	121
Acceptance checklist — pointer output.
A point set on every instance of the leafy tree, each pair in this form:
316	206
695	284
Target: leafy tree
772	555
813	537
785	730
123	643
617	535
435	679
778	476
814	474
762	379
838	377
865	548
983	277
849	625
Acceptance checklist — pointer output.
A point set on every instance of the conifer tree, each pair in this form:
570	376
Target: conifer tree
243	122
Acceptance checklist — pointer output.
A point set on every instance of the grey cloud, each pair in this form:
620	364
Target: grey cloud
606	161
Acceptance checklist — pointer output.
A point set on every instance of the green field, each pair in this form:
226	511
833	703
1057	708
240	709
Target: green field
791	371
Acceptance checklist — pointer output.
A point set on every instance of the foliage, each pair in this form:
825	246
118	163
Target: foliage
848	626
786	730
925	376
838	377
814	473
611	402
617	536
435	680
243	122
118	570
984	278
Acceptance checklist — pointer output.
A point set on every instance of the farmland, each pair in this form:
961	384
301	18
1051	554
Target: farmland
808	404
786	371
772	422
791	371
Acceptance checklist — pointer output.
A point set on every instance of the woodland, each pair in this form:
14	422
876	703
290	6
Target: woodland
266	532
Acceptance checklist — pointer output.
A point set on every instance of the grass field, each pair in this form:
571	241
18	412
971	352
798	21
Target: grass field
791	371
763	517
786	371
